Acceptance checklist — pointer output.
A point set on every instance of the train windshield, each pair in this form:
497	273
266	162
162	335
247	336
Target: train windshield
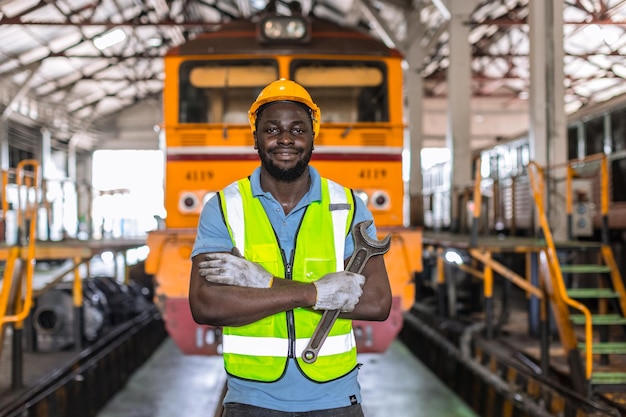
345	91
221	92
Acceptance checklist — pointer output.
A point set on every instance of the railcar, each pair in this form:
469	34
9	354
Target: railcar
564	288
594	134
210	83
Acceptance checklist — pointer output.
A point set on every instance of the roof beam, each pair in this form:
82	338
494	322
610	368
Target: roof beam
17	20
23	90
383	29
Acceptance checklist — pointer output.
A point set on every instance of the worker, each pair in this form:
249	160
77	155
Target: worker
269	258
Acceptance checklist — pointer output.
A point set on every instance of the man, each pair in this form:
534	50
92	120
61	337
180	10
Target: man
269	257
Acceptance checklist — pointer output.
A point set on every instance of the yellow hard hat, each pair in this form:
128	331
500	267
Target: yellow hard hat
285	90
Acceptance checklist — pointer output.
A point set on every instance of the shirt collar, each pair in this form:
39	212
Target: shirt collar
314	193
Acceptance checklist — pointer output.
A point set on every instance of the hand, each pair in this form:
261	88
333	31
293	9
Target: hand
230	269
338	291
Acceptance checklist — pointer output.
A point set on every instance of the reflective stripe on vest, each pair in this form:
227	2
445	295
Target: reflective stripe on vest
268	346
259	351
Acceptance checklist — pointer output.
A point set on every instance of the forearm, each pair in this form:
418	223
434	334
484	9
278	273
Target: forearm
375	302
372	306
226	305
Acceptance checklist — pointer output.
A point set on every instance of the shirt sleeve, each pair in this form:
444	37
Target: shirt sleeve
361	214
212	234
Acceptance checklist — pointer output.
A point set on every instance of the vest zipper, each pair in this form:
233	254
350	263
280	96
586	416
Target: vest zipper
291	329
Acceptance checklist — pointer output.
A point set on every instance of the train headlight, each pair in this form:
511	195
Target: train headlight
284	28
380	200
188	202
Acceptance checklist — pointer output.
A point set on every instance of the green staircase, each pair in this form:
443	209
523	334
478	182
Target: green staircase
599	287
588	301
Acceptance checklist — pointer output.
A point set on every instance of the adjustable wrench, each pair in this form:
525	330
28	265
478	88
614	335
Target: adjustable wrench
364	248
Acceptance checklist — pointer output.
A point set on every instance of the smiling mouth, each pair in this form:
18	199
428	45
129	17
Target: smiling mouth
285	153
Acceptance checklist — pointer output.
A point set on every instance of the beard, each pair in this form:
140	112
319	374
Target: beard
285	174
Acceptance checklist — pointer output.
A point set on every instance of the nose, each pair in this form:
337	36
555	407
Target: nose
285	137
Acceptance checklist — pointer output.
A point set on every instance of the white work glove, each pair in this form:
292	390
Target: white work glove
338	291
232	269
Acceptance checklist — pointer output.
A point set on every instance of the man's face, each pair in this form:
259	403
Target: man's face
284	140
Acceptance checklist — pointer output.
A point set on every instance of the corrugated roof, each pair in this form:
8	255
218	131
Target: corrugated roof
51	70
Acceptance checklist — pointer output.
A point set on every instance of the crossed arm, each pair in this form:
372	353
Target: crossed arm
231	304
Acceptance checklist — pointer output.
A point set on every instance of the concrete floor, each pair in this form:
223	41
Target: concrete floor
394	384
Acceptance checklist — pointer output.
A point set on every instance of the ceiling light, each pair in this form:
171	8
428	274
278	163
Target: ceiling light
154	42
109	39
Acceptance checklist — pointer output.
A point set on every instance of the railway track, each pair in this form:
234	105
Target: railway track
490	379
81	386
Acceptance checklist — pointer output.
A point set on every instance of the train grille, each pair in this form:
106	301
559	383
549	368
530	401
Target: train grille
193	139
373	139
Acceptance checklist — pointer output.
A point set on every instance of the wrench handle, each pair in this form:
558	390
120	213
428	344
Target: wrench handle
358	260
364	249
309	355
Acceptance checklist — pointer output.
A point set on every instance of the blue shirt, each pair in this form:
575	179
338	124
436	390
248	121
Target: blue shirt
293	392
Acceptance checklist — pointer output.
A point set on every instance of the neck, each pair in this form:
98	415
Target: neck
288	194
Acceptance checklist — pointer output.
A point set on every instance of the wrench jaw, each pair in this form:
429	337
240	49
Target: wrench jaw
363	238
364	248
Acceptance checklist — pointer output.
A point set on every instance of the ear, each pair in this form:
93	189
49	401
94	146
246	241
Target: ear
256	140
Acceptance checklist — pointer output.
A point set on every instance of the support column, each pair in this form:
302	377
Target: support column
415	96
4	145
459	106
46	174
548	131
80	168
85	197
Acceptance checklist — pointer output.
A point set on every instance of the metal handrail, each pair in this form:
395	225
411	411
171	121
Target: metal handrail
28	211
536	176
477	204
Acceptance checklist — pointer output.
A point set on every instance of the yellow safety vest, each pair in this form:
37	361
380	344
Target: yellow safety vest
259	351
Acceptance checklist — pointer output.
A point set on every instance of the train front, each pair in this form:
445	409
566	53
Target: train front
210	83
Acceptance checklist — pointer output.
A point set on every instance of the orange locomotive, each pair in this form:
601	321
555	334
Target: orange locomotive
210	83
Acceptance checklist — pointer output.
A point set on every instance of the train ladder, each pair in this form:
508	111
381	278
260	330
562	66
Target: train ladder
16	294
588	301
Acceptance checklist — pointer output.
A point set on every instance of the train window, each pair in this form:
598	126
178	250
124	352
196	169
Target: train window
523	158
221	92
505	166
231	76
572	142
485	165
514	167
339	77
618	179
594	135
347	92
493	166
618	130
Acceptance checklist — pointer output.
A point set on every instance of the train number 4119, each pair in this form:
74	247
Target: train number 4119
372	174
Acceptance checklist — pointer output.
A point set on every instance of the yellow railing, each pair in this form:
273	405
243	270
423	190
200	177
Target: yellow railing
536	176
29	186
477	204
